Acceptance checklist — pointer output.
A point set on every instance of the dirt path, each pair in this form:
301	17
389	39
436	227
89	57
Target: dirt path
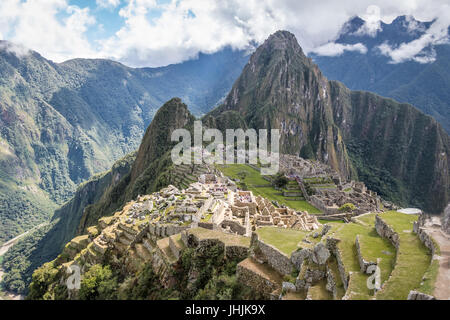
442	289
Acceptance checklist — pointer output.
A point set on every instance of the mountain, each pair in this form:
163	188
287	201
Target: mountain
394	148
424	84
60	123
142	172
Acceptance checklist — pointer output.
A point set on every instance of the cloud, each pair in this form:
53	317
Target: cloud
421	50
107	3
335	49
17	49
372	24
34	24
154	33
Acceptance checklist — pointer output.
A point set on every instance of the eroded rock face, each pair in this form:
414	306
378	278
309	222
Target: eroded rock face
446	220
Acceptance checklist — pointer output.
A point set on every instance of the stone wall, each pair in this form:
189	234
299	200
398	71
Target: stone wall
333	247
364	264
255	281
235	226
274	257
416	295
385	231
427	240
446	220
165	230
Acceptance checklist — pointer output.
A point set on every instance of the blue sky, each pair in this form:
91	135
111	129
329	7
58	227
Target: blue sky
159	32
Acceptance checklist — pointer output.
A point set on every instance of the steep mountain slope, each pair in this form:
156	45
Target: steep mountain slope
394	148
142	172
61	123
425	85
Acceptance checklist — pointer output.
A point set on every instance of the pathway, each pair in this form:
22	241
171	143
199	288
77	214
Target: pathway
442	286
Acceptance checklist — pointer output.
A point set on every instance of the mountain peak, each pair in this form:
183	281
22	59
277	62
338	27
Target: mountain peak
174	114
282	40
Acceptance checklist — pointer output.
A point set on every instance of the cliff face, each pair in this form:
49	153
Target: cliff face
281	88
394	148
152	169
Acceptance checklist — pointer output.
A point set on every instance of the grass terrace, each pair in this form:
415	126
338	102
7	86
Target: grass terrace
413	258
285	240
254	182
372	246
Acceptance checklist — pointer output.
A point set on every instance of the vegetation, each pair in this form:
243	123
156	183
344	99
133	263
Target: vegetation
285	240
256	183
347	207
411	252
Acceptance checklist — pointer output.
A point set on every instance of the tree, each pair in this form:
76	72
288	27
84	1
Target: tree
347	207
280	180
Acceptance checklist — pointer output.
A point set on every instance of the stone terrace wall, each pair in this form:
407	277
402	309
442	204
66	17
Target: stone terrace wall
427	240
385	231
234	226
275	258
255	281
364	264
332	246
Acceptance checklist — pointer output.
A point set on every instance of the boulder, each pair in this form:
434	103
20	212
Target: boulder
299	256
320	253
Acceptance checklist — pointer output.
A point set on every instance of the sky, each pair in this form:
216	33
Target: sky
151	33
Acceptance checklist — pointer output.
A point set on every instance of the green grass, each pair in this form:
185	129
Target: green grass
285	240
373	247
413	259
253	180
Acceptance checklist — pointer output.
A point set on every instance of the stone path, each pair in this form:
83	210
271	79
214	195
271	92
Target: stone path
442	289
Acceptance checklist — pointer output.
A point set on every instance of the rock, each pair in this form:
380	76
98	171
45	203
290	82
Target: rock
315	235
326	228
446	220
299	256
416	295
320	254
288	287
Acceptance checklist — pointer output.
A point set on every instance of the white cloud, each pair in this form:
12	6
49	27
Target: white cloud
35	25
420	50
183	28
17	49
335	49
372	19
107	3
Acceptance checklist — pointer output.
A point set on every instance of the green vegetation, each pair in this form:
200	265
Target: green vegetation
412	252
285	240
98	283
19	262
261	187
347	207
